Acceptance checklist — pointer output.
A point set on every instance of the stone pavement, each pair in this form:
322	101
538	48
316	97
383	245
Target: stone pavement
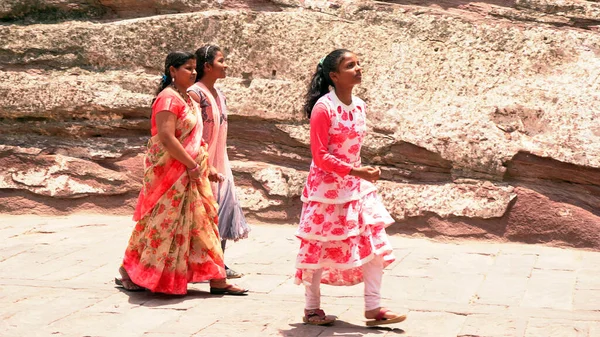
56	279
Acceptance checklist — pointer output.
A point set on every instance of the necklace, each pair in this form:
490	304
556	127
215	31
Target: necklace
186	98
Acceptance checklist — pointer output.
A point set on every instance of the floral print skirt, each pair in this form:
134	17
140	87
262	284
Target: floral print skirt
340	238
178	241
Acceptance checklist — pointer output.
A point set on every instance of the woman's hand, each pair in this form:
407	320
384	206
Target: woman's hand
194	172
214	175
368	173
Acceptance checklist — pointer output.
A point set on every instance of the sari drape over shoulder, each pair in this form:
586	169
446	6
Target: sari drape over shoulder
232	223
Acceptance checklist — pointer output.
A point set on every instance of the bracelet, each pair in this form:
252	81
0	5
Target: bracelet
194	169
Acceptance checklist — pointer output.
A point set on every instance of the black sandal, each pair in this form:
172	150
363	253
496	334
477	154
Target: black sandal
126	283
123	284
227	291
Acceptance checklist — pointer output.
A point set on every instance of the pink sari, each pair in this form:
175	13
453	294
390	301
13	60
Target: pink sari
176	239
232	223
214	131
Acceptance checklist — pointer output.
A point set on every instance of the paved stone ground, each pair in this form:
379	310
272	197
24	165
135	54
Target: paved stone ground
56	279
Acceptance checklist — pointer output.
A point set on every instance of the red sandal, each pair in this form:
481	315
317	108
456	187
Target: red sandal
381	320
317	317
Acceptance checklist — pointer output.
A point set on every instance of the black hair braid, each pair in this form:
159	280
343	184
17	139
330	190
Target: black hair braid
321	81
175	59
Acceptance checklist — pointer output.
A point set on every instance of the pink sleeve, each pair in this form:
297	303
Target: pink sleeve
168	103
319	139
165	102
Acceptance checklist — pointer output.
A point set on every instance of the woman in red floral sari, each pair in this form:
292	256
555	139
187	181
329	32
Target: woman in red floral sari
176	240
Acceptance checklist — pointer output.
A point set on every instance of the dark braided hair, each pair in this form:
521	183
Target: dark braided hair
205	54
320	82
175	59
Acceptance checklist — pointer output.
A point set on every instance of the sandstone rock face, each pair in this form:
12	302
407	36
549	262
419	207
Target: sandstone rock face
483	115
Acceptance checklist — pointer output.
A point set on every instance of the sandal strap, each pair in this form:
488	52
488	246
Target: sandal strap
381	313
315	312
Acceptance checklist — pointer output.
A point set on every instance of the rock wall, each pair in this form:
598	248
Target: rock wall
484	115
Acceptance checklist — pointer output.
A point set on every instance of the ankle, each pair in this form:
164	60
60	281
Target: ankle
372	312
312	311
218	282
305	310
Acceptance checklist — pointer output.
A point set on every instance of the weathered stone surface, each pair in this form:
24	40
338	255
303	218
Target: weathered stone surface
59	176
577	10
68	175
67	265
545	327
32	11
550	292
36	10
482	200
493	325
483	115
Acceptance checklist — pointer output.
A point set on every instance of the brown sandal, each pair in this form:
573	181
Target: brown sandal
317	317
381	320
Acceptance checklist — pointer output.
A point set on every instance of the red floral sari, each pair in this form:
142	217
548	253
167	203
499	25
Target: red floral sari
175	240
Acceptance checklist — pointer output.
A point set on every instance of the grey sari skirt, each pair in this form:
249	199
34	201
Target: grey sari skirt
232	223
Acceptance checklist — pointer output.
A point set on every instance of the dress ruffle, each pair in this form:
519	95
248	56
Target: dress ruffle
340	238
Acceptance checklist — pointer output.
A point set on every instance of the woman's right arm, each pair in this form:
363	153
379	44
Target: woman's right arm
165	124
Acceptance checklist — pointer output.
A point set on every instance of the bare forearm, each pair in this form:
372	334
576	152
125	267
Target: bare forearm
177	151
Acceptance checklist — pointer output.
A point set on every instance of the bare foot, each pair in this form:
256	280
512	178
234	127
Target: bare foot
372	314
222	286
381	316
126	282
230	287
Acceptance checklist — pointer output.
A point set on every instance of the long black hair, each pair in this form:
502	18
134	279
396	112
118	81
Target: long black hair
320	82
175	59
205	54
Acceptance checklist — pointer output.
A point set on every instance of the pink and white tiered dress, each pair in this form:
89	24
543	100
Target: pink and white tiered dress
343	221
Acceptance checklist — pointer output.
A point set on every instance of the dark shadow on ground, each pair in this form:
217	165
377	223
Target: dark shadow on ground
149	299
339	328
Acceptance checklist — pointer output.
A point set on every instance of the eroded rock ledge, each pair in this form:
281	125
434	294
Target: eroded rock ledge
484	115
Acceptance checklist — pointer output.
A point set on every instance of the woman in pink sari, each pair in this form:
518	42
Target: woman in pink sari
211	67
176	240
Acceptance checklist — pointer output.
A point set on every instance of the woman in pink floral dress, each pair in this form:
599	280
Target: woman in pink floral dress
176	240
342	226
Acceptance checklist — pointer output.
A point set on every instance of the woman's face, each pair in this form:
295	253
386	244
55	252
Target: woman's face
185	75
349	72
218	68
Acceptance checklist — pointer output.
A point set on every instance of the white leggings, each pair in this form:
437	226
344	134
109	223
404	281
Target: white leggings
372	275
